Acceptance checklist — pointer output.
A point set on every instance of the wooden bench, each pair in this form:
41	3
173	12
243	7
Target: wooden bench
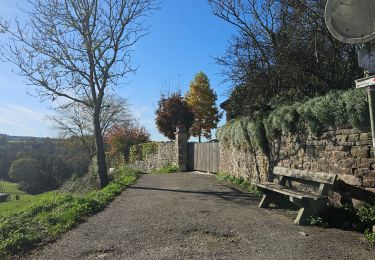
310	202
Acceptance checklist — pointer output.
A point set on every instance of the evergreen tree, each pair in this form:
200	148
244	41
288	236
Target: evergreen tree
201	98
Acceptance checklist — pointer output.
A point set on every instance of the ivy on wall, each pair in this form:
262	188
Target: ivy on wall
141	151
338	109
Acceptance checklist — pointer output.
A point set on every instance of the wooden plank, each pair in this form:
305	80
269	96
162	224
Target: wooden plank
320	177
217	158
289	192
204	157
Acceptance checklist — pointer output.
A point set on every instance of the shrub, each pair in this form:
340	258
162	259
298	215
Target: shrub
317	221
366	215
168	169
370	236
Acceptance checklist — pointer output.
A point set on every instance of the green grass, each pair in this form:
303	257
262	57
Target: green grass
53	213
168	169
8	207
239	182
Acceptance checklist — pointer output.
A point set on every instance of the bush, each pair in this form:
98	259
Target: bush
317	221
370	236
366	215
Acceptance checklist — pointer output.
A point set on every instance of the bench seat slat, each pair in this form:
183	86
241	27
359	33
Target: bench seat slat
290	192
321	177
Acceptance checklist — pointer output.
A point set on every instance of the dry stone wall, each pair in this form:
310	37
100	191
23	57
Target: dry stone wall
165	155
345	152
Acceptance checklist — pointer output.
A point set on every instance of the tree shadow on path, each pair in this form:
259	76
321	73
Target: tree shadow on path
234	195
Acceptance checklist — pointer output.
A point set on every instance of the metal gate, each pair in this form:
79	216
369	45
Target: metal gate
204	157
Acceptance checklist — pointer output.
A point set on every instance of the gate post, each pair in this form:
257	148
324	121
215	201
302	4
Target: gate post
181	147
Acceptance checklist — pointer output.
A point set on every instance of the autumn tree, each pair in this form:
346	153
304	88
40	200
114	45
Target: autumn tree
121	137
76	50
173	110
201	99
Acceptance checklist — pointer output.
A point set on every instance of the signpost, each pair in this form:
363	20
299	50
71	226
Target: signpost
353	21
365	82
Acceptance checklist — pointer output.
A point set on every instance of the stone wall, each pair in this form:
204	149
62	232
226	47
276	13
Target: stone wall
165	155
345	152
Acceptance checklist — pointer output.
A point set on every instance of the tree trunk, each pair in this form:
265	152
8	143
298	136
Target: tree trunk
126	153
100	153
199	138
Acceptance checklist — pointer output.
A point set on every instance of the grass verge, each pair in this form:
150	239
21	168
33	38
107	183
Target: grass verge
239	182
168	169
12	205
53	213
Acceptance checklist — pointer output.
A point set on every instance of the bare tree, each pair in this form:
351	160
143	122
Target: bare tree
282	52
77	49
75	120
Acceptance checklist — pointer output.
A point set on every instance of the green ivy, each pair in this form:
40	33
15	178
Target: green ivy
141	151
338	109
240	182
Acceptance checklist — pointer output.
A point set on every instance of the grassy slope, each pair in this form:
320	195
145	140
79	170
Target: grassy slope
7	208
53	213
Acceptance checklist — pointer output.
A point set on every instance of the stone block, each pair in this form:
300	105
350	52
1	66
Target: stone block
368	182
346	131
350	144
342	138
367	161
353	138
337	155
363	165
345	171
350	180
360	151
363	143
360	172
365	137
347	163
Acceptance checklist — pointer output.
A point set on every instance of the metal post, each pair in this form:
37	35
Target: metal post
371	103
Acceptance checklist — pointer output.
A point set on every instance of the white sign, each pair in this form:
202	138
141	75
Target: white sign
365	82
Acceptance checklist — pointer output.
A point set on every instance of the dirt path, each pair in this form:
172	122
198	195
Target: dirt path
187	215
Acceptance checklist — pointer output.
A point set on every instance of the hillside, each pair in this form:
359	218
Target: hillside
13	204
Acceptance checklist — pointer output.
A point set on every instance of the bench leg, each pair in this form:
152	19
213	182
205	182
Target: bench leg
302	216
265	202
311	209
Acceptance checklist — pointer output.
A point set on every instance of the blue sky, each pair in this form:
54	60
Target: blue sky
184	37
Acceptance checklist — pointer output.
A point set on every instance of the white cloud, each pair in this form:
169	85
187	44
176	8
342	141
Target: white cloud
21	120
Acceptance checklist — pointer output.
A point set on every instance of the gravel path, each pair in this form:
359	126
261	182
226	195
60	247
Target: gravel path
187	215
